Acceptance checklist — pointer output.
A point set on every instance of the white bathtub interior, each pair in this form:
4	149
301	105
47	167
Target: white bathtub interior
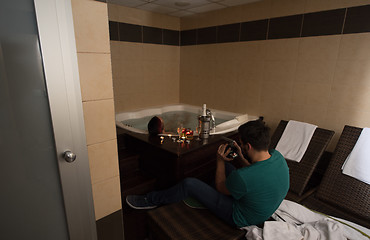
225	121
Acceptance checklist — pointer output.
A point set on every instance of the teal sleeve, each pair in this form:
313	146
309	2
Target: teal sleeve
235	185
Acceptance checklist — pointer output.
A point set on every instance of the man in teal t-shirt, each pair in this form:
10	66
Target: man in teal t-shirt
261	184
244	196
258	189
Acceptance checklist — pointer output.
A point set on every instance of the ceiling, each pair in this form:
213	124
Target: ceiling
180	8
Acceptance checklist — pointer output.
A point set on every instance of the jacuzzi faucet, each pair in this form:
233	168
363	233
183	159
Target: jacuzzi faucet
213	121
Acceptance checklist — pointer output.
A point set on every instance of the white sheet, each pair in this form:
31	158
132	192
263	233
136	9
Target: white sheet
295	140
301	223
357	164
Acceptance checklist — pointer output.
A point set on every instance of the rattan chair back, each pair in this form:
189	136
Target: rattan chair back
339	189
301	172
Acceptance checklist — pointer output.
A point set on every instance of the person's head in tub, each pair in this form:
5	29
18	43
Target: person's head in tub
156	125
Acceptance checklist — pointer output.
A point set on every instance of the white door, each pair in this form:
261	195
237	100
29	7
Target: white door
45	193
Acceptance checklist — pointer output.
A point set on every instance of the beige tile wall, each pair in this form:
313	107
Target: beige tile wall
307	79
323	80
144	75
94	60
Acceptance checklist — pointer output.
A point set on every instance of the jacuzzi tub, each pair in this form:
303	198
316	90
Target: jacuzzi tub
137	121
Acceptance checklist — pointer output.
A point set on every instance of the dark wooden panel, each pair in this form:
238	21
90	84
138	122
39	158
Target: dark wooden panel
110	227
357	20
113	31
152	35
228	33
171	37
188	37
207	35
130	32
323	23
255	30
285	27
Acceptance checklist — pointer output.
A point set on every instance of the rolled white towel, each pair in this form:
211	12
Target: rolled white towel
227	125
242	118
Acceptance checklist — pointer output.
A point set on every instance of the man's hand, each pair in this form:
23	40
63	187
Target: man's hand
220	176
240	154
222	154
238	149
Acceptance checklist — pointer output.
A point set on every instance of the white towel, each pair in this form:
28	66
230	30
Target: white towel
357	164
294	221
295	140
242	118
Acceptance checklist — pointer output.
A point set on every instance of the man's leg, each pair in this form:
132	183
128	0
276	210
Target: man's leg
221	205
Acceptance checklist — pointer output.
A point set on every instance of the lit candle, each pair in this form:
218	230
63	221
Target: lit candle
189	134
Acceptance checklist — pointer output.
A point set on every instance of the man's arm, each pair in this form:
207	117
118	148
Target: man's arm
240	157
220	177
244	162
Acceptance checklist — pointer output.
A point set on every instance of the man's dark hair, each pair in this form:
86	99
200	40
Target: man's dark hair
155	126
256	133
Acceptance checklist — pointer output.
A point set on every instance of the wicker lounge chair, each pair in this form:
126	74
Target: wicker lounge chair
301	172
338	194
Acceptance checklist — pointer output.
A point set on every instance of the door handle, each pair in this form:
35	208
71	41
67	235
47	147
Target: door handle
69	156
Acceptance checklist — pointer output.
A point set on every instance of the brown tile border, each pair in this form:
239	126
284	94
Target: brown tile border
331	22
